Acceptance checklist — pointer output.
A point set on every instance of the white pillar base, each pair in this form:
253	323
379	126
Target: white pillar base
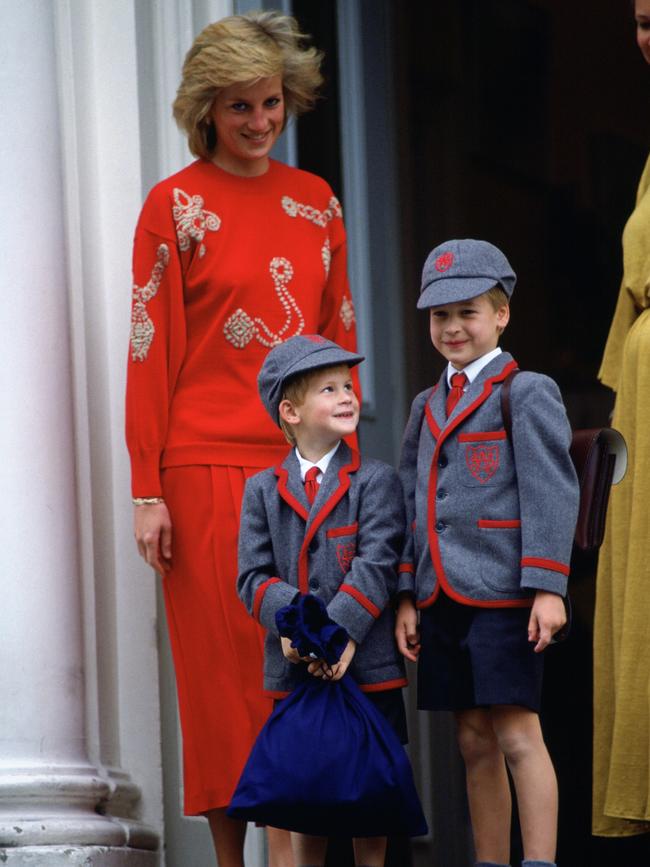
77	856
50	807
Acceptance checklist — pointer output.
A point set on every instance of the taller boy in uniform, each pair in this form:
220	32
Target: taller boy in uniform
493	522
324	522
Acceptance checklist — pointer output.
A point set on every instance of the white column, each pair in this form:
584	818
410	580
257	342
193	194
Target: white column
98	97
48	789
62	693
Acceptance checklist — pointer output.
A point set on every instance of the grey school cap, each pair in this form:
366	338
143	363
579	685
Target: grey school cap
460	270
294	356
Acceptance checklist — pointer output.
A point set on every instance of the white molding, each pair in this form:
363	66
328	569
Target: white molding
96	51
50	790
172	37
355	183
77	856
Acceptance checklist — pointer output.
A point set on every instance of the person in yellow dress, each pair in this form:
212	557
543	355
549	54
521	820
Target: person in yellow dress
621	788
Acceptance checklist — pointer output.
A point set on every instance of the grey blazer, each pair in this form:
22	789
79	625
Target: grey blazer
344	548
492	521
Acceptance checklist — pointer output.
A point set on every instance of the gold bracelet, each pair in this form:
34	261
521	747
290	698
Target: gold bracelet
147	501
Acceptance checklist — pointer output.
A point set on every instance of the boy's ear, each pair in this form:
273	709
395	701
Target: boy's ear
503	317
288	412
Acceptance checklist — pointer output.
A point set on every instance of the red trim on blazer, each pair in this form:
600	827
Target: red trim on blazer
283	475
542	563
361	599
386	684
443	582
487	391
350	530
364	687
482	437
406	567
473	603
486	524
275	693
259	596
323	512
433	424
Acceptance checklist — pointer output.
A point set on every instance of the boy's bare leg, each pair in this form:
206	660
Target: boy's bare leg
488	789
369	851
522	743
308	851
228	837
280	849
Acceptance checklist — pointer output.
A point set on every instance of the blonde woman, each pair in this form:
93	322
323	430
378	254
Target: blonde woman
232	255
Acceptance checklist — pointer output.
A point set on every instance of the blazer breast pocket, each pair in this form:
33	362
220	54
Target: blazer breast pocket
484	458
342	543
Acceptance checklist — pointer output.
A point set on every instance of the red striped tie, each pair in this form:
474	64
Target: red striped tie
311	485
458	382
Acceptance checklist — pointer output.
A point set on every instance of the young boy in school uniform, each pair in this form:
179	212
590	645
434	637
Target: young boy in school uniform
493	522
329	523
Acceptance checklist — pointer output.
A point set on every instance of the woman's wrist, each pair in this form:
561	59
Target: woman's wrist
147	501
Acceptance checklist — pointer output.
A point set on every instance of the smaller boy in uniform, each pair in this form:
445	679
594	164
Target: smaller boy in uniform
493	524
324	522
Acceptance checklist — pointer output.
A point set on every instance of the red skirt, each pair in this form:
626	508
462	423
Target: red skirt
216	645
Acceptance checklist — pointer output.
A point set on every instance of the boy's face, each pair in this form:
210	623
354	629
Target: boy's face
465	330
329	411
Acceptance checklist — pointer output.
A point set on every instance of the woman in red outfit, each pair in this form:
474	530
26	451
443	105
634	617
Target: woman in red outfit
232	255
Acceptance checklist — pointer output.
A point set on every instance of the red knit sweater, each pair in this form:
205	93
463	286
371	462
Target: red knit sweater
225	267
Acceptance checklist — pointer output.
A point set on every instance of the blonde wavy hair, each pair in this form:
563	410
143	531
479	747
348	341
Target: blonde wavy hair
242	49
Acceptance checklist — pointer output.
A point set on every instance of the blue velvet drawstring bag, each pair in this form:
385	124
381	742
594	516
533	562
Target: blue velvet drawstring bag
327	762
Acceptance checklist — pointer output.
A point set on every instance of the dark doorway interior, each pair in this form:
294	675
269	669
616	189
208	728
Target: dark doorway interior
525	122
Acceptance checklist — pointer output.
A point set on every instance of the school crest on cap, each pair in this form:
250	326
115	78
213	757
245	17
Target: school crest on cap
444	262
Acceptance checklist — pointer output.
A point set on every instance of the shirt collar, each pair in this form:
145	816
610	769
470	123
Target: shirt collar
474	367
322	464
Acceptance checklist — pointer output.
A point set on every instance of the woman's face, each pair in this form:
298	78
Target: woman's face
642	15
248	120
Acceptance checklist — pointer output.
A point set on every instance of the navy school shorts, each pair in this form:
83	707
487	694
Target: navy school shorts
477	657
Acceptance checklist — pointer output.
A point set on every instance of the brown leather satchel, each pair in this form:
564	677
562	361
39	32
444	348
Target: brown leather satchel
600	458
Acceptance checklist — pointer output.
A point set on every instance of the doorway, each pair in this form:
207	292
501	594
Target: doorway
525	122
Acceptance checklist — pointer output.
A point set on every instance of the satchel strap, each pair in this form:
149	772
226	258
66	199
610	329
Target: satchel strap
506	412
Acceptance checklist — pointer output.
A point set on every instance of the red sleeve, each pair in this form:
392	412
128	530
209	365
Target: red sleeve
156	351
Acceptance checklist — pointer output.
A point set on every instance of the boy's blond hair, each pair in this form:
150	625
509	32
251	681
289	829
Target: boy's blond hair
295	390
497	297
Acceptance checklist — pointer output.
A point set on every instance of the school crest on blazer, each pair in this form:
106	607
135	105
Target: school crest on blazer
482	461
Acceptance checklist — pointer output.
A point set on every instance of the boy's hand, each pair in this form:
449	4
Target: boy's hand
290	652
319	668
546	618
407	632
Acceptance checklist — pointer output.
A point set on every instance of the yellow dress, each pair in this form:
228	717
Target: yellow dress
621	793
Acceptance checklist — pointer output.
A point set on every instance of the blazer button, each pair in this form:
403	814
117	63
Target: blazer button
313	584
313	546
441	494
440	527
442	461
